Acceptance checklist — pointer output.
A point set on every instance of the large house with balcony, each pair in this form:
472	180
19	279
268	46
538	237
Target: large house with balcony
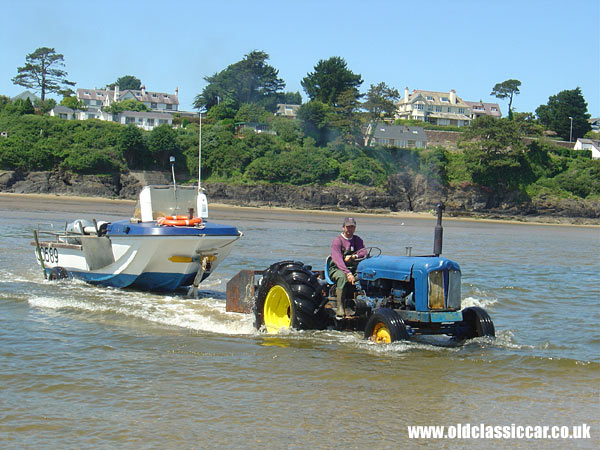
161	106
438	108
155	101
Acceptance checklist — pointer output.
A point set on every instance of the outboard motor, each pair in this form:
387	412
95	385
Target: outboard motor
438	235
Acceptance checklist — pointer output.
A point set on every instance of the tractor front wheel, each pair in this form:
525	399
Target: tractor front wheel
58	273
478	323
386	326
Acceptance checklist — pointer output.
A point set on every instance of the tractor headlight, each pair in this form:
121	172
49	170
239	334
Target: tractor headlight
454	289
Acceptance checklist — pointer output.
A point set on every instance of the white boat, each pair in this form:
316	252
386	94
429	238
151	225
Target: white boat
140	252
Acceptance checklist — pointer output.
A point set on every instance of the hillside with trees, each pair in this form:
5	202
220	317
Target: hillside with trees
501	164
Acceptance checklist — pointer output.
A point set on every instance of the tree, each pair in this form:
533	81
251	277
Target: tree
250	80
129	104
494	155
45	106
249	112
162	143
314	117
127	82
556	114
73	103
345	117
42	72
330	78
380	103
507	89
133	147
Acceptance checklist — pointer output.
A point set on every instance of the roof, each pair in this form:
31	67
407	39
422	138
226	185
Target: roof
26	95
141	95
62	109
589	141
433	98
486	108
401	132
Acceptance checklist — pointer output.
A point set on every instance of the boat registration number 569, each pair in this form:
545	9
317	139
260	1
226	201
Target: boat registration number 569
49	255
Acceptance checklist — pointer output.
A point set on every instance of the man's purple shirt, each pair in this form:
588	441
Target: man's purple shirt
355	244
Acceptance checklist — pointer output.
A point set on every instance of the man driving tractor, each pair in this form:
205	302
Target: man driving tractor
347	249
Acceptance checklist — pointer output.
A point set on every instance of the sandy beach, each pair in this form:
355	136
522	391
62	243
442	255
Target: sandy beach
95	205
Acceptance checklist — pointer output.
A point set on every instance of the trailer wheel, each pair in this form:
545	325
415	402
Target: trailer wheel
386	326
58	273
289	296
478	322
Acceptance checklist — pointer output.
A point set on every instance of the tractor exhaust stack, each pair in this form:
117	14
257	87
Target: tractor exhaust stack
438	235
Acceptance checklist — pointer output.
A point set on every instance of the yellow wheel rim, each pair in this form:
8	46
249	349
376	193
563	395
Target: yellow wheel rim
277	310
381	334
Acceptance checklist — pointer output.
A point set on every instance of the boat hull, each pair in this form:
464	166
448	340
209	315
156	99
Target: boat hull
145	257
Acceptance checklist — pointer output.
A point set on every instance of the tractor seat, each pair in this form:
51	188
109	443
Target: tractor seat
328	262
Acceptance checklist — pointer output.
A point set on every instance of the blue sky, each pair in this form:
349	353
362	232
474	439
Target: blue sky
466	45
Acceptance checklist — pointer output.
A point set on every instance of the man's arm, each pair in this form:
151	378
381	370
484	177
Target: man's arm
360	247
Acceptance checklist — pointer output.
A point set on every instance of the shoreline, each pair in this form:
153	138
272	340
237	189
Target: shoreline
47	202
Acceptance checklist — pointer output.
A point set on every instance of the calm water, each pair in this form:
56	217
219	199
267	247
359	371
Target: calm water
88	367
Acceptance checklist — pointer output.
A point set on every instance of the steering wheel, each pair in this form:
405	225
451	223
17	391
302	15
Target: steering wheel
371	250
370	253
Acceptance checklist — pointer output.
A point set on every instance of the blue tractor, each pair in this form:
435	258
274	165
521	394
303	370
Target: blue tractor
396	297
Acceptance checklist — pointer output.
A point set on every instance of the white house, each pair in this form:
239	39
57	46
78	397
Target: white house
284	110
162	106
155	101
588	144
439	108
397	136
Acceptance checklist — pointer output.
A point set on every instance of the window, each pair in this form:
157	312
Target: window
429	107
445	99
154	95
153	105
99	94
449	109
420	107
150	122
461	110
169	106
129	120
140	119
438	109
494	108
430	98
62	116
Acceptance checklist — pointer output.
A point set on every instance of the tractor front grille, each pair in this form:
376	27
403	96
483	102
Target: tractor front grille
436	290
444	291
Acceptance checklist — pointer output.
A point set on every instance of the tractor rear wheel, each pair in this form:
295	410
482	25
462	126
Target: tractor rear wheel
386	326
289	296
478	322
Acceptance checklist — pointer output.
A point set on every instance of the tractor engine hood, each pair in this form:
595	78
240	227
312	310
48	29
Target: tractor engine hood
401	268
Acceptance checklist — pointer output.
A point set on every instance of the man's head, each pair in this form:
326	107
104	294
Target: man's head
349	227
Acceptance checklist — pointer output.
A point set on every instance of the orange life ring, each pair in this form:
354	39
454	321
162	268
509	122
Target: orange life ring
179	221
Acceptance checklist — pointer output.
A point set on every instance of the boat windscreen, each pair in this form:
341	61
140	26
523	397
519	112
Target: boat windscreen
157	201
